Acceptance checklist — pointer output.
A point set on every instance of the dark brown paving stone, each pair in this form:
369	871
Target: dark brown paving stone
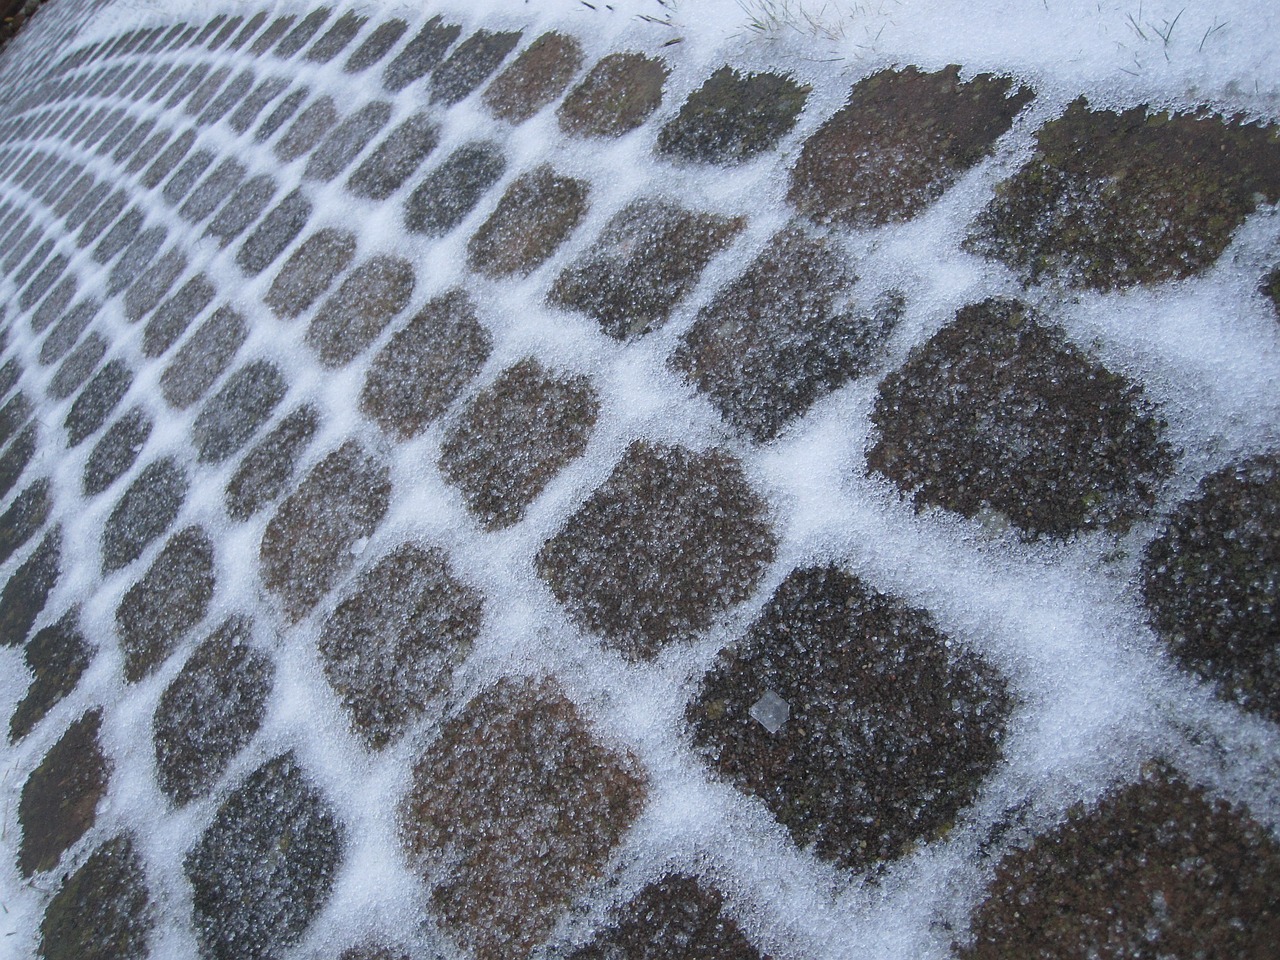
615	97
54	305
394	160
225	179
268	467
24	518
470	64
335	39
187	176
210	711
168	601
270	36
308	542
420	55
265	867
27	591
781	336
247	112
153	284
1157	869
425	366
57	657
1115	199
351	318
375	46
675	916
203	358
143	513
733	117
890	731
136	259
301	35
278	229
235	412
1211	582
171	319
16	458
243	209
535	78
522	807
77	366
60	799
669	541
89	411
903	138
999	412
537	213
116	452
390	648
312	124
514	437
14	416
347	140
647	258
310	270
104	910
448	193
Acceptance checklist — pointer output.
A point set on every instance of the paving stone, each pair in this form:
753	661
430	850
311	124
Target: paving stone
168	159
55	303
1156	869
143	513
102	216
141	129
999	416
89	411
340	33
902	139
372	951
152	285
233	95
535	78
270	36
172	317
24	518
79	363
672	917
66	332
14	415
1211	582
424	367
251	26
207	90
60	799
203	358
733	117
235	412
225	32
420	55
116	452
537	213
265	867
213	190
615	97
514	437
247	112
668	542
210	711
451	191
513	810
390	648
308	542
375	46
10	374
347	140
153	145
1271	289
122	233
246	205
892	727
394	160
56	657
16	458
171	598
268	467
41	283
781	336
104	910
278	229
1114	199
354	316
648	257
301	34
470	64
310	270
136	259
312	124
27	591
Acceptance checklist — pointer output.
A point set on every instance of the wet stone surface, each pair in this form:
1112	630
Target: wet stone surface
202	359
420	55
537	213
144	512
103	911
668	542
346	140
235	412
451	191
525	807
470	64
56	658
171	318
514	437
265	866
890	731
733	117
116	452
27	591
616	96
648	257
1157	869
1211	582
902	139
390	648
77	366
210	711
1115	199
395	159
90	409
535	78
268	467
424	367
999	412
310	270
354	316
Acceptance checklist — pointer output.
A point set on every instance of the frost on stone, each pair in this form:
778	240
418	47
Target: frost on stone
770	711
733	117
232	95
312	124
674	916
450	191
16	458
396	159
203	358
646	259
1115	199
1211	582
104	910
470	64
173	154
513	810
514	437
347	140
307	544
668	542
420	55
278	229
390	648
1156	869
537	213
210	711
89	411
122	233
242	209
171	598
617	95
171	318
372	951
354	316
265	867
27	590
135	259
891	730
310	270
43	281
54	305
220	184
781	336
1000	412
270	36
375	46
268	467
251	107
59	801
149	287
535	78
143	512
901	140
1271	289
77	366
340	33
116	452
24	518
56	657
301	34
420	371
15	413
234	413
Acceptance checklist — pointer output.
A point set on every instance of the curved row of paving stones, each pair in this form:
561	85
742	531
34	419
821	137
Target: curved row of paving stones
860	724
